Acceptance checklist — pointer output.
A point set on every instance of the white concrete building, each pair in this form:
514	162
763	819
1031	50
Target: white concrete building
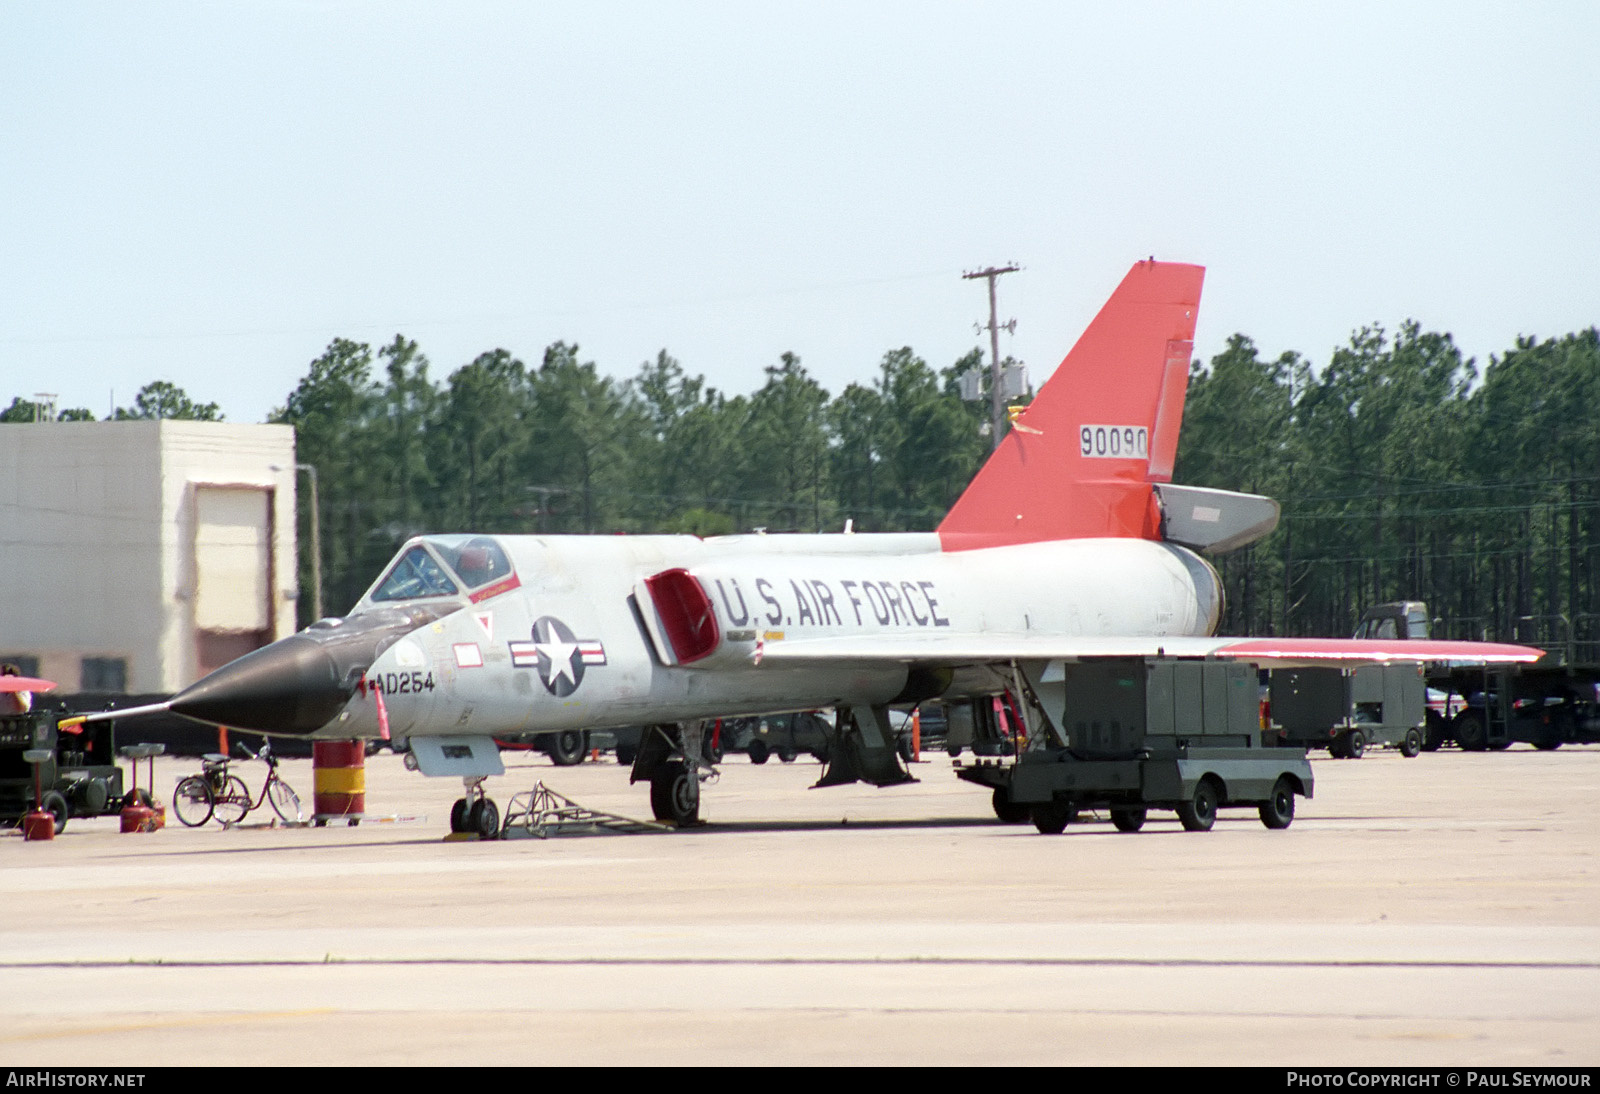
137	556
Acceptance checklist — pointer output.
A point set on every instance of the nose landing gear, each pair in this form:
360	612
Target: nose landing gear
476	814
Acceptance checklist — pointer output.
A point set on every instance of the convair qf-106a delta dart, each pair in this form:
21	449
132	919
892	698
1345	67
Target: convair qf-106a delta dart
1071	543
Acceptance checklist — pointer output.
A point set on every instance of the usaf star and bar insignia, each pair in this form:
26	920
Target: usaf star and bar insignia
560	657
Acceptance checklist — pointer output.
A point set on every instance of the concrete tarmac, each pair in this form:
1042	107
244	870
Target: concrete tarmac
1430	912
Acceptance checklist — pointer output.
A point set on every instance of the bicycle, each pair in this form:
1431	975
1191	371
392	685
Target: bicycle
216	791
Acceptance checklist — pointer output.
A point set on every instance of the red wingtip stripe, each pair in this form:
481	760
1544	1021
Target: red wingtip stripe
1366	649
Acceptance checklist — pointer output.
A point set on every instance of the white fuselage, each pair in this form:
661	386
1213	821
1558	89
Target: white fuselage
486	669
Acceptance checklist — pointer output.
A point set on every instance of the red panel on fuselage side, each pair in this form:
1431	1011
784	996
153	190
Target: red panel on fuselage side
686	613
1100	431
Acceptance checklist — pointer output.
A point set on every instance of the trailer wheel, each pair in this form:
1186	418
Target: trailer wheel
56	805
1128	818
1007	810
1356	746
1411	744
1199	813
758	752
1052	818
1277	812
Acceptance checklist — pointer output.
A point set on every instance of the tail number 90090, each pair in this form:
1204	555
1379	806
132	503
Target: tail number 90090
1114	442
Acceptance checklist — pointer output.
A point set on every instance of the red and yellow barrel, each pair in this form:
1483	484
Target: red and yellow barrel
339	779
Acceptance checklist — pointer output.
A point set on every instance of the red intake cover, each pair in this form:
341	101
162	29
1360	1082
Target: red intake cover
686	615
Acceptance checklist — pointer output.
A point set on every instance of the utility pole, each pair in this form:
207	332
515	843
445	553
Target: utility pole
316	539
996	413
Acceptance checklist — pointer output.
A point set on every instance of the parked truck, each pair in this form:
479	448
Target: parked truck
1546	704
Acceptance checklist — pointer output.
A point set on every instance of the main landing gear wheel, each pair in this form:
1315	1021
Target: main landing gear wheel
675	794
566	749
484	819
1007	810
1277	812
458	815
1128	818
1052	818
1199	813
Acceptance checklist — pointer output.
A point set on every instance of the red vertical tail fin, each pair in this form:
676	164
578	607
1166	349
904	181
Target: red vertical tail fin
1082	458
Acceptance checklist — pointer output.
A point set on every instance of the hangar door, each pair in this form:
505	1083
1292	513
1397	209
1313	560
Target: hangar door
233	572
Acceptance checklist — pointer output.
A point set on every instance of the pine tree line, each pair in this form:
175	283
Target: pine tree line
1402	471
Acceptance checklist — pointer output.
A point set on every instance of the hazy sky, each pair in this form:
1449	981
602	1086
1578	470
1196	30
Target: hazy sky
208	193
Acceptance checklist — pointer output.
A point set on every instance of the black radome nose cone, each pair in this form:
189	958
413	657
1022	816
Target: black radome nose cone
291	686
299	684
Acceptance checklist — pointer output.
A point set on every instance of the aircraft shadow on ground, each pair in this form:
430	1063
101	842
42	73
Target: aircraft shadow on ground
712	828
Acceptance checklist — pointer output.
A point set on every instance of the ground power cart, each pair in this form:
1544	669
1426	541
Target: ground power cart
1348	711
80	779
1128	735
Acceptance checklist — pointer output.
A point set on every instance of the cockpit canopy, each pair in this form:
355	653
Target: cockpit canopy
443	566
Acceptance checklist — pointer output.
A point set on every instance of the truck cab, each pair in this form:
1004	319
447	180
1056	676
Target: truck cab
1403	619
